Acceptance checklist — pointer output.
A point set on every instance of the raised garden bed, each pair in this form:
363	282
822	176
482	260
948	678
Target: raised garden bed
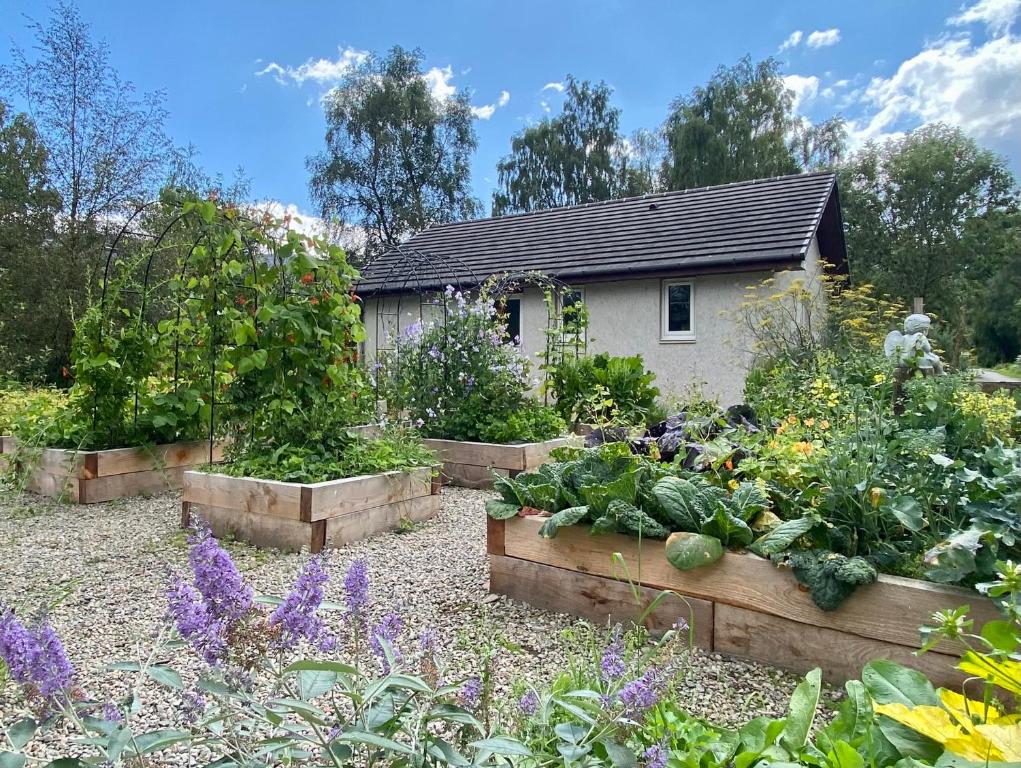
6	446
88	477
741	605
289	516
471	465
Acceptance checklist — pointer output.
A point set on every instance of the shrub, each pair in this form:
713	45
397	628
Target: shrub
23	410
461	379
603	389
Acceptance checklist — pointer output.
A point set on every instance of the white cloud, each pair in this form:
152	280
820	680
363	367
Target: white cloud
486	111
438	79
792	41
545	106
822	38
976	87
804	87
347	236
321	71
997	15
558	87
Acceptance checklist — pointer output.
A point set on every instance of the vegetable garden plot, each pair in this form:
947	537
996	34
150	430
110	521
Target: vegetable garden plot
290	516
741	605
472	465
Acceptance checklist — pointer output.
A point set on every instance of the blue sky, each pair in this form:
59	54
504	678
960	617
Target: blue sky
886	65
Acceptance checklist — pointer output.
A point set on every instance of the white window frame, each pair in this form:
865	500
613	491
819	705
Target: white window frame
665	334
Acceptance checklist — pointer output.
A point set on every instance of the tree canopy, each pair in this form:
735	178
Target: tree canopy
397	159
576	157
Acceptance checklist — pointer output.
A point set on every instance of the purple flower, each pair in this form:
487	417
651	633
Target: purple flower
384	635
612	663
643	693
195	622
356	586
296	616
112	713
529	703
655	756
217	578
471	692
193	706
427	641
35	656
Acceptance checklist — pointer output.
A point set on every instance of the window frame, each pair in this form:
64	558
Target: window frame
521	324
667	336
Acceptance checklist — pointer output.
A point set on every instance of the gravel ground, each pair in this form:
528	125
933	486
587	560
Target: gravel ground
102	568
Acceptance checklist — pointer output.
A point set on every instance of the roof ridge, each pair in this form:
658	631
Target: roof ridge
618	200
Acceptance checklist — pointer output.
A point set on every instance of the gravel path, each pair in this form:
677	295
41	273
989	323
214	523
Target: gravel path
102	568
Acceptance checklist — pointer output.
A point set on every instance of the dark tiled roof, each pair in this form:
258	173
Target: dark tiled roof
734	227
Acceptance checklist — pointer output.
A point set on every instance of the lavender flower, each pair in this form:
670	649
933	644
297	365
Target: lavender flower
643	693
193	706
296	616
356	586
217	578
427	641
112	713
612	663
471	692
529	703
195	622
655	756
35	657
387	631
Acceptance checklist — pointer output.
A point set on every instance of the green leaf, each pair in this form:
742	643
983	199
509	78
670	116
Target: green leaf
502	745
909	512
570	516
748	500
843	755
321	666
620	756
940	460
676	497
890	683
21	732
778	539
314	683
1002	635
501	510
375	740
12	760
165	676
156	741
801	711
729	529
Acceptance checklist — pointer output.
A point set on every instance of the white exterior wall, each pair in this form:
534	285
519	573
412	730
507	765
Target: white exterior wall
625	319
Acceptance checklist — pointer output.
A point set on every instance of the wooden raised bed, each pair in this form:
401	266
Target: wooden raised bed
6	446
88	477
471	465
289	516
741	605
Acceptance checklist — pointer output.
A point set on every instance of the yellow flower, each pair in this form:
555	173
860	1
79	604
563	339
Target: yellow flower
879	378
733	484
876	495
824	424
810	422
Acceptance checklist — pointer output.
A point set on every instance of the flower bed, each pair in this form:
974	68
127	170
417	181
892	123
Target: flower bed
89	477
741	605
289	516
472	465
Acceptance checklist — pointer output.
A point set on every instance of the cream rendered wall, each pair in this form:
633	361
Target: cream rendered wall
625	319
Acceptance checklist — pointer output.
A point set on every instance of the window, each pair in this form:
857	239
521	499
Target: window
678	322
511	311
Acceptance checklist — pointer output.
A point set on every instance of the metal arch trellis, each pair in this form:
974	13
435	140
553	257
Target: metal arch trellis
558	339
159	246
409	271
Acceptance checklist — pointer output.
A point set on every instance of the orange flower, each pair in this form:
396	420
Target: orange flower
290	338
307	278
729	464
314	301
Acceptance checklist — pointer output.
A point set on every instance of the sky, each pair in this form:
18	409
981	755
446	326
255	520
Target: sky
243	80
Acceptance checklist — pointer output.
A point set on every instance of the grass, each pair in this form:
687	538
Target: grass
1009	369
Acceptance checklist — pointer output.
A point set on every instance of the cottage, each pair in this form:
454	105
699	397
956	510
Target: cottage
657	273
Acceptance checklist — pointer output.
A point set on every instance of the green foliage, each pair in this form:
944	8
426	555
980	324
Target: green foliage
945	242
576	157
603	389
396	159
830	578
24	409
342	455
686	551
462	379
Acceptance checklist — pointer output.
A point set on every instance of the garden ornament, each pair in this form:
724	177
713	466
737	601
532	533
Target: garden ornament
912	348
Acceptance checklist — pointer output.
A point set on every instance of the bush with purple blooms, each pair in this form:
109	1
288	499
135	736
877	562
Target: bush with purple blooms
462	378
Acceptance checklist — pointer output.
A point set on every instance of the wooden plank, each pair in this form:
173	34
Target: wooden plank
125	460
60	461
801	647
363	523
597	599
494	536
264	497
341	497
6	444
56	486
891	610
478	454
470	475
107	488
537	454
268	531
